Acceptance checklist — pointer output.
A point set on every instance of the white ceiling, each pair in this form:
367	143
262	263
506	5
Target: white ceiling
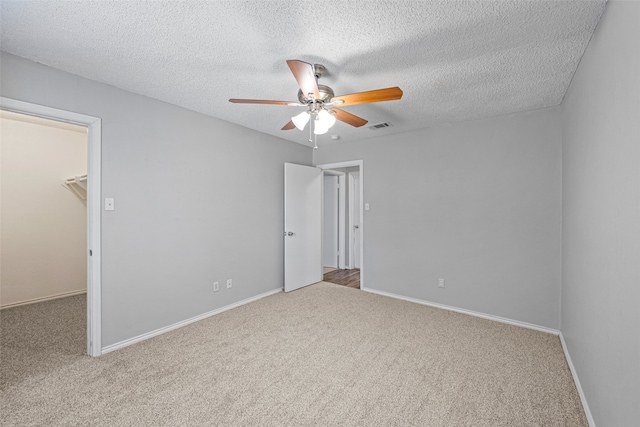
454	60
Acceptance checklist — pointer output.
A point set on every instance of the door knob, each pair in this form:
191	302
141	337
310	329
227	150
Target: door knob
288	233
356	226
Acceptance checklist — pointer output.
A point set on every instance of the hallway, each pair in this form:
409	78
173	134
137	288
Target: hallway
349	278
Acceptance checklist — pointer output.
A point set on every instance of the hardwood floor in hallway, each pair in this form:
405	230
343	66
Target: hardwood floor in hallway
349	278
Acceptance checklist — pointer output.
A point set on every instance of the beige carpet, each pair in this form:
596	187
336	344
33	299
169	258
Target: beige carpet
36	339
322	355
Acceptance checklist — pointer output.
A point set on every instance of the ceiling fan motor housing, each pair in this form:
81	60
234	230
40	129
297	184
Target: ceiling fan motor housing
326	93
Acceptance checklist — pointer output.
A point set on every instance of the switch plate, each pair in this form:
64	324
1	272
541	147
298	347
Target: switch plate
109	204
216	286
366	206
229	283
441	283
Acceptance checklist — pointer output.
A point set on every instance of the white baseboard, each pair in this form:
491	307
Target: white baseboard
465	311
49	298
151	334
574	374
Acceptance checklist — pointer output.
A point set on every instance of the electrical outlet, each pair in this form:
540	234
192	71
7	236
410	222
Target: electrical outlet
229	283
441	283
216	286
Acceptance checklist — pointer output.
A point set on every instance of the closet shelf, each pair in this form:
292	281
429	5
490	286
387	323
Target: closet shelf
78	186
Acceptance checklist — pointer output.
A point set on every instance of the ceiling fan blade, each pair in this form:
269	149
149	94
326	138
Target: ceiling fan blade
388	94
258	101
303	72
289	126
349	118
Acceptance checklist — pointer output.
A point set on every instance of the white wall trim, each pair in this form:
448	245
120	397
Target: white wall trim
43	299
574	374
351	264
340	165
186	322
342	216
352	191
469	312
94	206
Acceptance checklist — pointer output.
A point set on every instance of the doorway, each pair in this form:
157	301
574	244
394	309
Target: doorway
43	209
333	220
342	260
92	181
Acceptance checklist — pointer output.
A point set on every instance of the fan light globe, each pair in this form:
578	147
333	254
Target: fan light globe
326	119
301	120
318	129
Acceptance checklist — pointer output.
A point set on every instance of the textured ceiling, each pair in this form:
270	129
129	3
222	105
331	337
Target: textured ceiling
454	60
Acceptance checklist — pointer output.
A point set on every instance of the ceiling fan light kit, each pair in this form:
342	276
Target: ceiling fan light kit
323	121
321	101
301	119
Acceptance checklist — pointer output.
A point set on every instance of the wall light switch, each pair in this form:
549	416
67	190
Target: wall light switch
109	204
366	206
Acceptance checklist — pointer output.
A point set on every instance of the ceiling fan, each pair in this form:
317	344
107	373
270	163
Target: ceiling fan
321	102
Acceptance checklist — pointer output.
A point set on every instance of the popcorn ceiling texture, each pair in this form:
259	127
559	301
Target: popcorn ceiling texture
454	60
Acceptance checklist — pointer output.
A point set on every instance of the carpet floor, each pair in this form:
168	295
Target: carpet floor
323	355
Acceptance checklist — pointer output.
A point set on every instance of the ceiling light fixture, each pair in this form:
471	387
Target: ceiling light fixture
301	119
323	120
321	101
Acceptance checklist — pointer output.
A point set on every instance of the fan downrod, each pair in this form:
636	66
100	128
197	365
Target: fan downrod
319	70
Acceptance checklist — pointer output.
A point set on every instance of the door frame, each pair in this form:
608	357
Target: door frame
341	213
94	205
360	164
351	203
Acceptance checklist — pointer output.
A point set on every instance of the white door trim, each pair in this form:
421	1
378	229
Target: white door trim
351	203
349	164
94	205
341	214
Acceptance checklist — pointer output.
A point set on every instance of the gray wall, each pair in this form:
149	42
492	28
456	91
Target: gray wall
477	203
601	218
184	215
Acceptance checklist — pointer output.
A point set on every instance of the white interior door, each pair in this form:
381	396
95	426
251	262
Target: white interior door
330	222
302	226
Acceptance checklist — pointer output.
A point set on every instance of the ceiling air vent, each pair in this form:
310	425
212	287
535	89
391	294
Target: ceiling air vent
380	126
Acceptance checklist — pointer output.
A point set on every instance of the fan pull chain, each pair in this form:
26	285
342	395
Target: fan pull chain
315	137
